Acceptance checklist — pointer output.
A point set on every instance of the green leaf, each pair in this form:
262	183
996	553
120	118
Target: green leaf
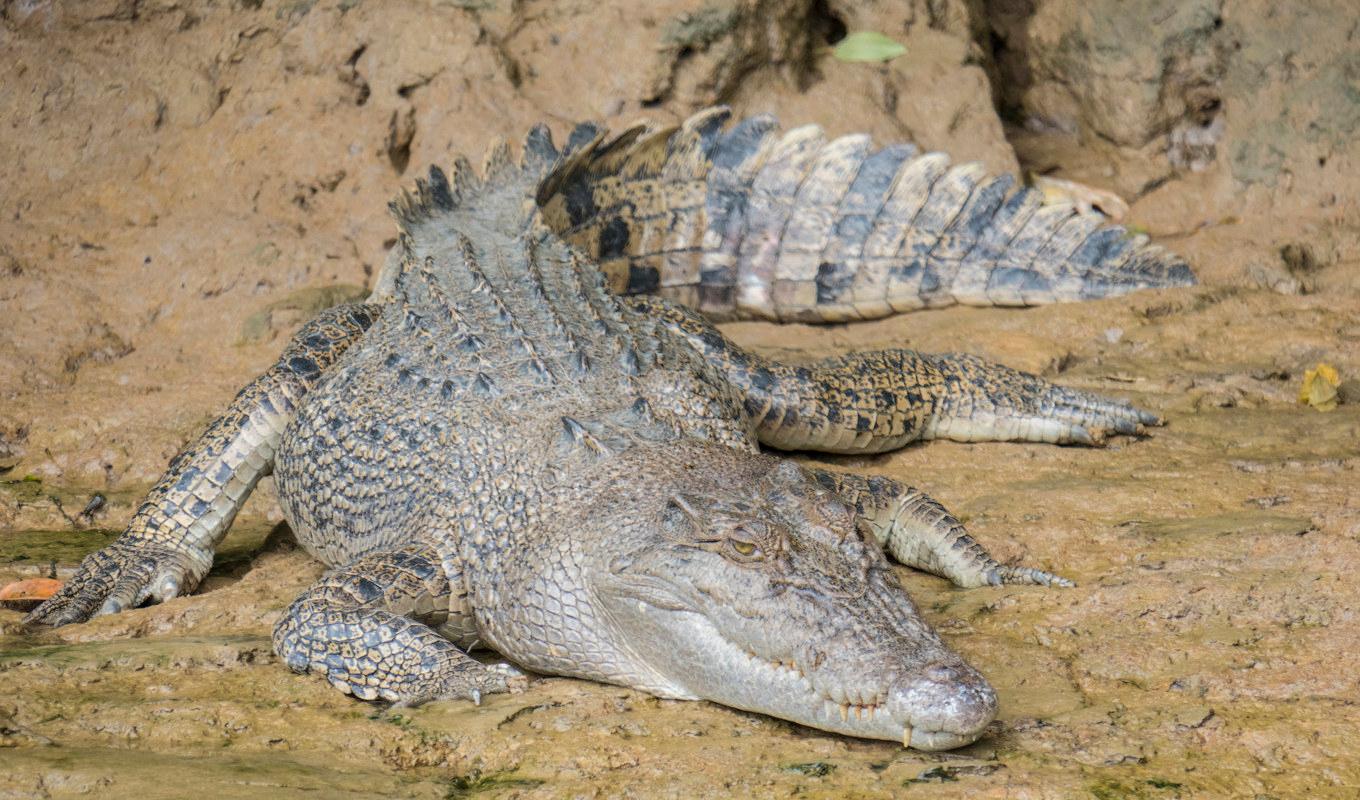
867	46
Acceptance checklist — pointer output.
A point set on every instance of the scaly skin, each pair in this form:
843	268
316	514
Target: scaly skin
497	450
879	401
384	627
746	222
918	532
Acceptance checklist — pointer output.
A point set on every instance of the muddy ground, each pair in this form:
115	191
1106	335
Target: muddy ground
184	182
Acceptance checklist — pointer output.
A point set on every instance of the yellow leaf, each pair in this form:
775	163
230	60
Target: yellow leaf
1319	387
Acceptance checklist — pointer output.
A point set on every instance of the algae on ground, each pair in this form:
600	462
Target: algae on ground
63	547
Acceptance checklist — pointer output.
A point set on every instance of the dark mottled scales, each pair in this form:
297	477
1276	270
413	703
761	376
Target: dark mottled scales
832	281
827	200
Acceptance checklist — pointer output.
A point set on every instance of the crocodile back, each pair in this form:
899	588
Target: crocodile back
500	368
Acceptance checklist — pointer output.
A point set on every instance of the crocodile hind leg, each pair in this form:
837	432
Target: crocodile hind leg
168	547
917	531
881	400
978	401
364	626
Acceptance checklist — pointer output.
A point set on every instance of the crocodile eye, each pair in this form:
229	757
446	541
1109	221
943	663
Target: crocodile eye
743	550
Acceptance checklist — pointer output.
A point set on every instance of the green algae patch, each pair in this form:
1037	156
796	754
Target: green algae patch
1241	523
131	654
63	547
950	773
475	783
95	771
304	303
1116	790
29	488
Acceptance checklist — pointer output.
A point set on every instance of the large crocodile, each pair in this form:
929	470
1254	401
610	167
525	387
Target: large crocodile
496	449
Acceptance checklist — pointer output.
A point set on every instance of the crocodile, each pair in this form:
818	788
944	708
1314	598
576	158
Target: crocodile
497	450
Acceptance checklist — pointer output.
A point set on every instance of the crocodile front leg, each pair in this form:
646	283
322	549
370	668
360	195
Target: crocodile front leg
168	547
878	401
917	531
361	626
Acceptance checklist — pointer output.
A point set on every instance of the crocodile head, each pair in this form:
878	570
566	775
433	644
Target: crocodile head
751	586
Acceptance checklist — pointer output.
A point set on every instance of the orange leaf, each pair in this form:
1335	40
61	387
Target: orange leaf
23	595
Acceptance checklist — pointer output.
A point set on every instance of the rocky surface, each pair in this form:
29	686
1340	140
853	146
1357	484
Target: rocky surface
182	183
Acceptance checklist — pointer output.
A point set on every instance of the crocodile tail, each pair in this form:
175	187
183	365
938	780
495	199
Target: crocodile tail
744	221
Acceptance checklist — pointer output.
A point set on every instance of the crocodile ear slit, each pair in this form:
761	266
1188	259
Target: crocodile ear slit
680	518
687	505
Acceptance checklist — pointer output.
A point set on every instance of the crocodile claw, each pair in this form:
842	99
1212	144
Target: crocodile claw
121	576
1093	418
1004	574
464	682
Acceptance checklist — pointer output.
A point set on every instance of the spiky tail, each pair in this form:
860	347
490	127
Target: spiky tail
745	222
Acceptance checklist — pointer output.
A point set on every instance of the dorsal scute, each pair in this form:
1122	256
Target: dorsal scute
575	156
681	151
538	150
478	273
440	193
614	431
497	163
580	435
677	152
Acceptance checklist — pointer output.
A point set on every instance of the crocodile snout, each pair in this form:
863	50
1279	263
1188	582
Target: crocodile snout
944	705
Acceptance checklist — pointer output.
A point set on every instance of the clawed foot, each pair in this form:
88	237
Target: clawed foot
468	682
990	403
122	575
1003	574
1089	419
486	679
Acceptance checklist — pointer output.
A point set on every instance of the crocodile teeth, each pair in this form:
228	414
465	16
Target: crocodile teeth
906	736
845	712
